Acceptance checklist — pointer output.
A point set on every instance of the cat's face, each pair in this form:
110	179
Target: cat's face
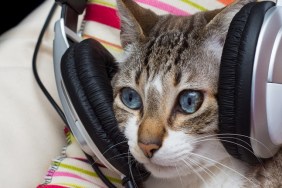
165	91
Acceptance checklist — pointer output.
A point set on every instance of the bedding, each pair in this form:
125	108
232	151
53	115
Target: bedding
32	134
71	169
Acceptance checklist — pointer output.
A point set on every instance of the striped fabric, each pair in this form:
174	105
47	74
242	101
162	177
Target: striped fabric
71	169
101	22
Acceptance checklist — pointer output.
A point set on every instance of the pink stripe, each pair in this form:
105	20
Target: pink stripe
70	175
50	186
163	6
102	14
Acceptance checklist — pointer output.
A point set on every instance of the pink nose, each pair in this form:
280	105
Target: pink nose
148	149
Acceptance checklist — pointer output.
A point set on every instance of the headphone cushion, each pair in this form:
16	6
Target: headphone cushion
87	68
235	80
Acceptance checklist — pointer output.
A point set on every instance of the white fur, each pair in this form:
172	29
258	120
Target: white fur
157	84
214	47
129	49
171	164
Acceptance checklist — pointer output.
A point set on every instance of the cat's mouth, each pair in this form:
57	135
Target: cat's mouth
159	162
156	162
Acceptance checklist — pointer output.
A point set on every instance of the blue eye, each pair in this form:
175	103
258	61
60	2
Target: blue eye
190	101
131	98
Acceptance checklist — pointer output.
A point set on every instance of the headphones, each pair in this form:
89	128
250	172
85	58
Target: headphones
83	71
250	85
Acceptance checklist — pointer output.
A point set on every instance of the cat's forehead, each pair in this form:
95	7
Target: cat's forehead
175	42
175	50
173	56
169	39
171	46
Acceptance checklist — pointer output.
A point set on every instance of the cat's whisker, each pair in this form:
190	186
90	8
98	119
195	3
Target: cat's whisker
219	139
133	160
125	141
179	176
205	169
141	175
227	135
223	171
113	157
220	169
249	150
228	141
119	156
232	134
239	135
130	169
199	175
225	166
94	161
136	163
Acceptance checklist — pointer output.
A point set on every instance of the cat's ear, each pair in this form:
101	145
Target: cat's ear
136	22
220	23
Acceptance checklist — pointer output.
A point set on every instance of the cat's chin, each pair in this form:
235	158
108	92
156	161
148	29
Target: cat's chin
164	172
160	171
157	168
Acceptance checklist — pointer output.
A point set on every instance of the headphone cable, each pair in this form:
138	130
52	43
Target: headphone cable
34	67
50	98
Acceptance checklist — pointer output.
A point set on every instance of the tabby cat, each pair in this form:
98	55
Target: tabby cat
165	100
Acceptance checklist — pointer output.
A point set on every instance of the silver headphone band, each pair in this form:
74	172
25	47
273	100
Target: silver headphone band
265	100
63	35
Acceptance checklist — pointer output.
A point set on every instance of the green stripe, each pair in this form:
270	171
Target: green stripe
90	173
194	5
103	3
72	185
69	138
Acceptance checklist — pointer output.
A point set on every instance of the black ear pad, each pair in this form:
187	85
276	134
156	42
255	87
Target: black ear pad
235	80
87	68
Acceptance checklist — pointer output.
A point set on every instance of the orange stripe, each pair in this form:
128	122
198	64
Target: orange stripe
226	2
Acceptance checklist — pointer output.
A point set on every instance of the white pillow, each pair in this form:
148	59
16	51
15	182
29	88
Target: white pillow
31	133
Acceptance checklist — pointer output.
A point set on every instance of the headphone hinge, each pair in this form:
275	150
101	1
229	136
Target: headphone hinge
77	5
71	9
70	18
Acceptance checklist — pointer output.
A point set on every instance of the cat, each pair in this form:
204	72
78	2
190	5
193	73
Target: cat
169	60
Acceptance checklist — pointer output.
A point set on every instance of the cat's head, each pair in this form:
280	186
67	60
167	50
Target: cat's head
165	93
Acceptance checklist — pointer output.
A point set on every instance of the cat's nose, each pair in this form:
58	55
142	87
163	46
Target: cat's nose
148	149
